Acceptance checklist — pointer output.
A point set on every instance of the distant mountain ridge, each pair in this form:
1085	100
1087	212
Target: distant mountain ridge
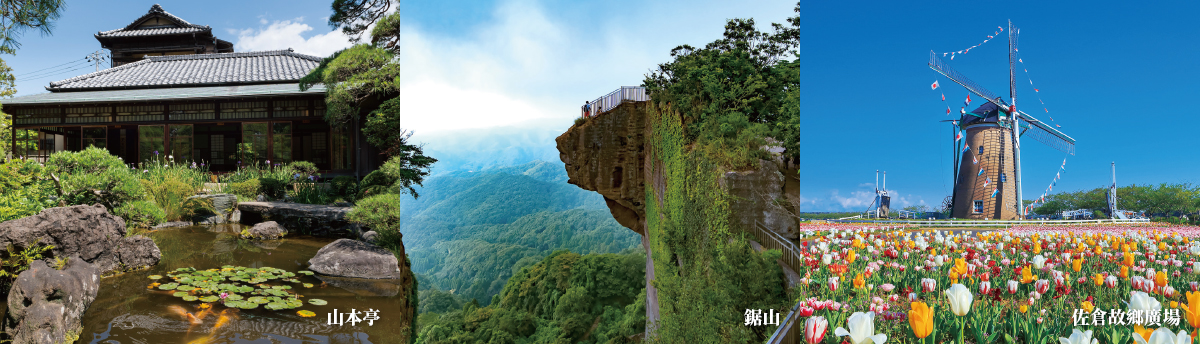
471	230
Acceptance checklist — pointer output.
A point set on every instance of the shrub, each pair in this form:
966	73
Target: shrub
381	213
93	176
17	260
23	190
376	183
303	170
140	214
171	195
310	193
272	187
246	189
345	187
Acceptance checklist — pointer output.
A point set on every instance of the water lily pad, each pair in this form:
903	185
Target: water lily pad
276	306
185	287
185	280
258	299
282	287
308	285
306	313
306	272
168	286
190	298
234	297
180	294
245	289
232	304
247	305
209	299
318	302
155	277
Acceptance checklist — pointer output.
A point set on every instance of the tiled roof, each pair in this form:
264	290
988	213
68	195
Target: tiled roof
163	94
259	67
155	11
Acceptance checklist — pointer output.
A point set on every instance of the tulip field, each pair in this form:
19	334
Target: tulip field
1110	283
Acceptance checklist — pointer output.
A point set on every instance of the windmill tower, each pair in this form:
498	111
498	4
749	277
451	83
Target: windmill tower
988	181
881	206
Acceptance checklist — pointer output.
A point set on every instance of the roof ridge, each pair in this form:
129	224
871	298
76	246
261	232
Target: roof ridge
157	10
95	74
288	52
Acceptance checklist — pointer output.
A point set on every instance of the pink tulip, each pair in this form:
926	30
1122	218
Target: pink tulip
805	311
814	329
887	287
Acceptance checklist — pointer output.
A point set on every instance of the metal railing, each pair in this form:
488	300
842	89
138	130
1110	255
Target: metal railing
785	333
614	98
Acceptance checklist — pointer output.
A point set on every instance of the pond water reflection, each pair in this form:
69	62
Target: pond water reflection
126	311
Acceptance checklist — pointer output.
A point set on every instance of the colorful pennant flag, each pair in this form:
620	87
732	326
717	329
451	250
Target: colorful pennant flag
935	85
974	160
943	97
966	148
947	110
968	102
958	136
987	181
981	172
995	191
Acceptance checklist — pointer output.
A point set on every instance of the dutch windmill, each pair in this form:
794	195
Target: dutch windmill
982	188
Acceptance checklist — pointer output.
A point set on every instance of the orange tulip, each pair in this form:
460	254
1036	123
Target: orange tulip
1097	250
1099	279
859	281
953	277
1160	279
921	319
1037	247
1077	264
1128	259
1027	274
1125	272
850	257
1144	332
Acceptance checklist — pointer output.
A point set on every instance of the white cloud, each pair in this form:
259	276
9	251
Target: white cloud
283	34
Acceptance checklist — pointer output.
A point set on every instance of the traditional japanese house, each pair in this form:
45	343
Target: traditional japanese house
175	90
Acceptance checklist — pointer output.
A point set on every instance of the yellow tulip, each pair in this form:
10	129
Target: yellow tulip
859	281
1174	304
1077	264
1027	274
1087	306
921	319
953	277
850	257
1037	247
1024	309
1160	279
1125	272
1192	312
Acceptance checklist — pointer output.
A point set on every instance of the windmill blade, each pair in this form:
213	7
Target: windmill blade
1038	130
944	69
1046	134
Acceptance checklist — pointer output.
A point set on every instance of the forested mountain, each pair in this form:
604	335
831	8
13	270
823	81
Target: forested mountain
564	298
472	230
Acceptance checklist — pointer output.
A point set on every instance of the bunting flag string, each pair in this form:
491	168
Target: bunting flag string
1036	91
1042	200
967	50
974	161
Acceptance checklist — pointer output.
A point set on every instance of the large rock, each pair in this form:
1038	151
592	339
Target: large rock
760	196
352	258
311	219
269	230
605	154
45	305
88	232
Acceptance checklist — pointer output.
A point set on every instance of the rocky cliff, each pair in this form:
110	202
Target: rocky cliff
608	154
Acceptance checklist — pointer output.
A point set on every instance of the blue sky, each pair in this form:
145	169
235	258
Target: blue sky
484	79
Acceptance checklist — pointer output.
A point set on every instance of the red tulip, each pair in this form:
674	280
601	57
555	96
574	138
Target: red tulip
1042	286
1012	286
806	311
1195	285
833	283
985	287
928	285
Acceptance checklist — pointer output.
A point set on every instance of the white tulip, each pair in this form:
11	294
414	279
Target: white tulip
862	329
1039	262
1079	337
960	299
826	259
1163	335
1141	301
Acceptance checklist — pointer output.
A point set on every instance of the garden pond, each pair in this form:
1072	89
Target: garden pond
266	287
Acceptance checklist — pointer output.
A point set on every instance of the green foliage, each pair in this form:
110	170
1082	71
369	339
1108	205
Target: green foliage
702	261
311	193
381	213
345	187
171	195
246	189
304	170
355	16
94	176
555	300
375	183
19	16
140	214
13	261
24	189
273	188
439	301
1166	199
736	91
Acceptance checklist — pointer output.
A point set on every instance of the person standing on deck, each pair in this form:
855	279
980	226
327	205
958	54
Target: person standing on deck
587	109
